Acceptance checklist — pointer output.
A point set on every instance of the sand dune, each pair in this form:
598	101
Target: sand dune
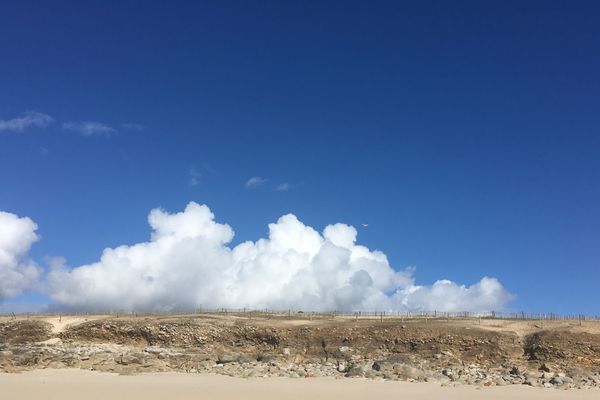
72	384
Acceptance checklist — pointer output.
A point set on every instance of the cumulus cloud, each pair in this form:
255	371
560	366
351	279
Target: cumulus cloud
254	182
89	128
188	263
17	272
444	295
30	119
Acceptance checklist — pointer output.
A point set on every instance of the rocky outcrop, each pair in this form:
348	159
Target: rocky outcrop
445	354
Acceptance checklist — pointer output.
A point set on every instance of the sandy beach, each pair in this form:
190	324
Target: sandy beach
73	384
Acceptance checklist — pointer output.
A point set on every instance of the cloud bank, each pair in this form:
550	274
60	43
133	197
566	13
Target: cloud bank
17	272
187	263
30	119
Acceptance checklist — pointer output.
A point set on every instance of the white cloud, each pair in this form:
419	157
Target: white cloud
187	263
444	295
284	187
255	181
30	119
89	128
195	177
17	272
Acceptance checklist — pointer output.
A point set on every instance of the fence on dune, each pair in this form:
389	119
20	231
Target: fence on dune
356	315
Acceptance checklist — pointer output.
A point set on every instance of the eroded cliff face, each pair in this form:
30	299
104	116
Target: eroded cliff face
447	352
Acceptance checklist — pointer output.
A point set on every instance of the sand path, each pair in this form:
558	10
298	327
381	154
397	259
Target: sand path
79	384
59	324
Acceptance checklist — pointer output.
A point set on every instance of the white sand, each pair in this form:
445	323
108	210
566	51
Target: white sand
72	384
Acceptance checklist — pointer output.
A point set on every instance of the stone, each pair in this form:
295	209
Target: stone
254	373
356	370
557	380
51	342
530	382
343	352
408	372
544	368
131	358
225	358
547	375
516	371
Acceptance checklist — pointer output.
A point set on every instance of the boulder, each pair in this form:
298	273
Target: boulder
228	357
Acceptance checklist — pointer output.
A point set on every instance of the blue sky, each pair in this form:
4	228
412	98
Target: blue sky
465	134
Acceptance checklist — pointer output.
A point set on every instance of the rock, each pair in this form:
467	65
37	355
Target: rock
356	370
516	371
254	373
298	359
437	379
407	372
499	381
225	358
547	375
343	352
447	372
153	349
246	349
557	380
531	375
51	342
246	358
544	368
127	359
530	382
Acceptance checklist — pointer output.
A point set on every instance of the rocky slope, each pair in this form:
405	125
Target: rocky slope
415	350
